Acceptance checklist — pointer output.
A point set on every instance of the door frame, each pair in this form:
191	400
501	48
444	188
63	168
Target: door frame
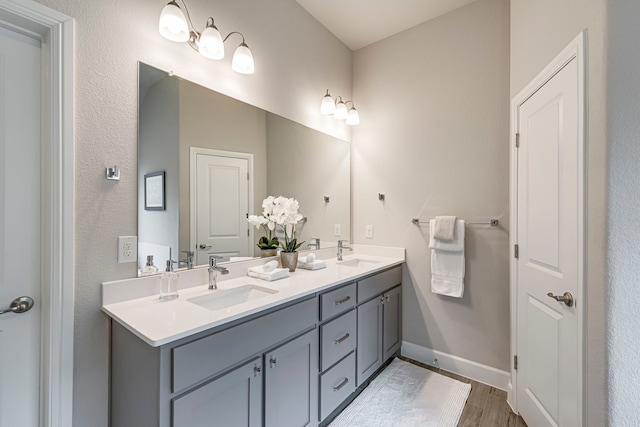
575	49
56	31
193	153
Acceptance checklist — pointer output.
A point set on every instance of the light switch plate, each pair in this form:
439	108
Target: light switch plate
368	231
127	249
337	230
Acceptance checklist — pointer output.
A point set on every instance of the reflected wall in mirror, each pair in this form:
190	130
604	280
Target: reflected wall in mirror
221	157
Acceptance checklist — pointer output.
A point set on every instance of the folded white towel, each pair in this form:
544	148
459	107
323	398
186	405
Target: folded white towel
447	262
444	228
310	258
457	244
269	273
270	266
314	265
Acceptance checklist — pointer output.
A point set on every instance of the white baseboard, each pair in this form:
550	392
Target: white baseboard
457	365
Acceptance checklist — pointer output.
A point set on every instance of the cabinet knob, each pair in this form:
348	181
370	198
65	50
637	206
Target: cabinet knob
272	361
256	370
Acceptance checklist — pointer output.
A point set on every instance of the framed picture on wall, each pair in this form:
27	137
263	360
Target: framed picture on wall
154	191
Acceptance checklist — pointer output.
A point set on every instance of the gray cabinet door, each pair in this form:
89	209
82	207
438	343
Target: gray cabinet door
291	383
369	353
233	400
392	315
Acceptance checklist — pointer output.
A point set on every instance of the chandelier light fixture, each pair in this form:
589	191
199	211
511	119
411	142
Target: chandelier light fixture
339	109
174	25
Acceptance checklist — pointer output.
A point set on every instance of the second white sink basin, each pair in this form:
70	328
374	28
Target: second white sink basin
223	299
359	262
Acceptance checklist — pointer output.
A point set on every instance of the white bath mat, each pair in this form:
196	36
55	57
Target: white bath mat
407	395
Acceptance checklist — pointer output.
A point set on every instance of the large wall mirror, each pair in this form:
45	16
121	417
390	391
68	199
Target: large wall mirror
206	160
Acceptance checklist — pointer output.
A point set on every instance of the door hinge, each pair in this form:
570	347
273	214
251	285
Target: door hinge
516	251
248	179
517	140
515	362
248	232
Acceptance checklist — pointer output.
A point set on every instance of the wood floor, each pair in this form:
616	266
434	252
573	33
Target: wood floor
486	406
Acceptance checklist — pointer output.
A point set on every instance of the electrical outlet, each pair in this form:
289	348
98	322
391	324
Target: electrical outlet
337	230
127	249
368	232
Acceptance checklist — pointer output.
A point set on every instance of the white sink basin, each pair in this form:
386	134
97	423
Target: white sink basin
359	262
223	299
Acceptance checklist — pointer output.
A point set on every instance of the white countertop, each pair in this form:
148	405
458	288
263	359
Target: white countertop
134	303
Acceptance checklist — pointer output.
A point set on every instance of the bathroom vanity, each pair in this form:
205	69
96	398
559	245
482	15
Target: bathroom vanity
291	353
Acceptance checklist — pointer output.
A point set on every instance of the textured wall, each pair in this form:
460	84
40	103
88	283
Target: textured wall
296	60
623	93
540	29
435	141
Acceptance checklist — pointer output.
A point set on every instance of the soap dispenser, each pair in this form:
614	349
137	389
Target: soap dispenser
169	283
149	269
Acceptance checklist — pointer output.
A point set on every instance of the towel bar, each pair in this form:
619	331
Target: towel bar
491	222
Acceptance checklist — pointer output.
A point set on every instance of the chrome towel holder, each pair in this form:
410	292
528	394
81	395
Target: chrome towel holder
491	222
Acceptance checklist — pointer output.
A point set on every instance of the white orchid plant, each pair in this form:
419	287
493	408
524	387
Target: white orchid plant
278	212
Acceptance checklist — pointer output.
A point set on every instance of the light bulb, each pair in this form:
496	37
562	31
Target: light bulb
353	118
328	105
173	25
242	61
341	111
210	44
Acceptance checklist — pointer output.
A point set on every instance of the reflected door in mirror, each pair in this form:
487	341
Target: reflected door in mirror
221	200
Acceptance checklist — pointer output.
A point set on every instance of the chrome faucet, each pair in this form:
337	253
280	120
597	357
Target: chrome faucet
341	246
315	242
188	260
213	271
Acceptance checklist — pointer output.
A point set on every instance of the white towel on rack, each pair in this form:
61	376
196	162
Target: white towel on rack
447	262
456	244
444	228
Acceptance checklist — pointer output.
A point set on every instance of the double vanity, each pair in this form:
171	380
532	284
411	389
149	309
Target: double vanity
293	352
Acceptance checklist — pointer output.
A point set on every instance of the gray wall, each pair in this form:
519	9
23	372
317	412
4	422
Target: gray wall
623	93
435	141
158	133
540	29
294	152
296	61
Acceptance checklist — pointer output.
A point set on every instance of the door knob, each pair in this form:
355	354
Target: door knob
567	298
19	305
203	246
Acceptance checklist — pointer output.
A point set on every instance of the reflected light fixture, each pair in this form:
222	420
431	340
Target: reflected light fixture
176	25
339	109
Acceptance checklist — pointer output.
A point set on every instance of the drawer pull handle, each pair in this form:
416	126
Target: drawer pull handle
341	340
342	384
342	301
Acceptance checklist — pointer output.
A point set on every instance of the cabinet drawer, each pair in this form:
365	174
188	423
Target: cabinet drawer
337	301
338	338
207	356
375	285
336	385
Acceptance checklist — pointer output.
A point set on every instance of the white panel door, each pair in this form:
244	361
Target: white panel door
548	209
19	228
222	205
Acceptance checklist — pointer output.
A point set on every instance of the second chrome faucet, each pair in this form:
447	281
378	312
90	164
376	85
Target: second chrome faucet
213	271
341	246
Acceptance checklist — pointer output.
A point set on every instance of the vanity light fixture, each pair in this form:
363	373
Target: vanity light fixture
174	25
339	109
